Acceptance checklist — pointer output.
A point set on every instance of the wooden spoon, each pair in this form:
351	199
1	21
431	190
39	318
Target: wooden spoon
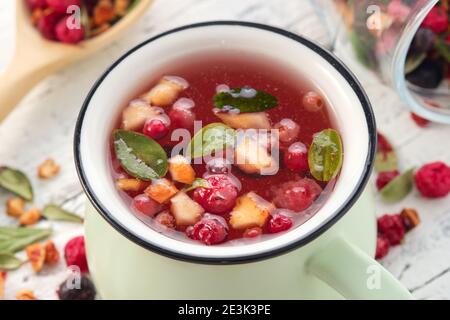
35	57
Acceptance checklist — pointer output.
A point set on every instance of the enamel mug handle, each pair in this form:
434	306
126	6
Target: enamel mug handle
354	274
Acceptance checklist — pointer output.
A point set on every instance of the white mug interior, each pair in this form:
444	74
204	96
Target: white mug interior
352	115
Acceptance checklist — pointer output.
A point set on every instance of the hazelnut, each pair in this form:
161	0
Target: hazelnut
15	207
48	169
30	217
25	295
410	218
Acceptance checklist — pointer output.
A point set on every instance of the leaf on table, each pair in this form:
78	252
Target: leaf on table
386	157
17	182
398	188
54	212
9	262
13	239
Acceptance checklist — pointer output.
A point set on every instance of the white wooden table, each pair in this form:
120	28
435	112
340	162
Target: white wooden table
42	126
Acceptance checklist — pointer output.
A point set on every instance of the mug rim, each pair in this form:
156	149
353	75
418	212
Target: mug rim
335	62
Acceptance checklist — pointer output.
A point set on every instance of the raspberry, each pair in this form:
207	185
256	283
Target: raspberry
382	247
391	227
436	20
75	253
166	219
433	180
66	34
279	223
220	198
385	177
146	205
421	122
383	143
296	195
208	230
36	4
62	5
47	24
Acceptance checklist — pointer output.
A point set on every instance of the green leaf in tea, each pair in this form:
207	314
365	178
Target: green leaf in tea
386	161
16	182
398	188
139	155
54	212
9	262
212	138
325	155
15	239
198	183
245	99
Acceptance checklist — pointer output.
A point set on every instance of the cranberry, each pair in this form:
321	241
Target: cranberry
155	129
75	253
166	219
391	227
252	232
382	247
296	157
47	24
312	101
208	230
62	5
385	177
36	4
421	122
279	223
296	195
433	180
436	20
288	130
66	34
146	205
220	198
182	118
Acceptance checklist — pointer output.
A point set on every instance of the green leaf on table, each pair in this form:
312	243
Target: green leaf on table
54	212
17	182
198	183
139	155
211	138
325	155
245	99
14	239
398	188
386	161
9	262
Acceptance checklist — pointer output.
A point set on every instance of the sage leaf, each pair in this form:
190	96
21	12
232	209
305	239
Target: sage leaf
54	212
245	99
211	138
325	155
139	155
198	183
386	161
398	188
16	182
9	262
14	239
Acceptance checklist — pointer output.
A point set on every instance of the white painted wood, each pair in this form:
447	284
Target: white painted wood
42	126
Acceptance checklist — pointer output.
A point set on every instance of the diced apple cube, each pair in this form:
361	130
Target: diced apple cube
161	190
137	113
166	91
181	170
185	210
251	157
251	210
254	120
134	185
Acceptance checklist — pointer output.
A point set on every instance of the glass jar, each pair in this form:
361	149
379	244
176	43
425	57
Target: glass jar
386	36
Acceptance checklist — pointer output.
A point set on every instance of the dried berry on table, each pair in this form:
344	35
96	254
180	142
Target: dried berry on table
421	122
25	295
48	169
71	289
382	247
51	253
75	253
385	177
391	227
433	180
36	256
2	284
15	207
30	217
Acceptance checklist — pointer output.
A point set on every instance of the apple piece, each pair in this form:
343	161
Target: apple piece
166	91
161	190
181	170
129	184
251	210
253	120
137	113
185	210
251	157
